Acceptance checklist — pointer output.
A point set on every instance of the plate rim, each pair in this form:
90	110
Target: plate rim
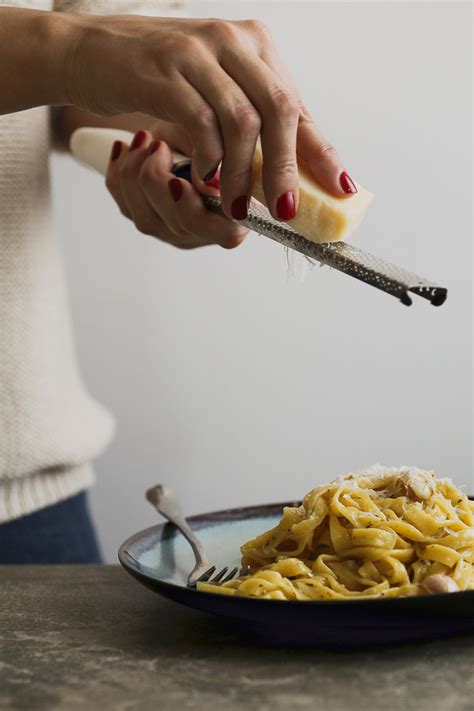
220	515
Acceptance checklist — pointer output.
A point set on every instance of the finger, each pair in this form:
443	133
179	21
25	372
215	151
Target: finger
145	218
152	181
149	222
177	137
196	220
240	126
211	185
112	180
190	110
126	187
173	135
278	108
321	157
181	207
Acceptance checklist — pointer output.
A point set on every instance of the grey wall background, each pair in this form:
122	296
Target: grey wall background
238	385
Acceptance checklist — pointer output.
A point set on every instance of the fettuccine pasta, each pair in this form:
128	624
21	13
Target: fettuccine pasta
380	533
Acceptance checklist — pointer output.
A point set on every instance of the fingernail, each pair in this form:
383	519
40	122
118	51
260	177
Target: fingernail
154	145
138	140
239	208
347	184
214	182
286	206
210	175
176	189
116	150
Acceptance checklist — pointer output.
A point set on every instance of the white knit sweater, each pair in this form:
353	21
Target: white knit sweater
50	427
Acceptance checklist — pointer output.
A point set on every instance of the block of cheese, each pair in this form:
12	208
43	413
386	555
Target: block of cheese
320	217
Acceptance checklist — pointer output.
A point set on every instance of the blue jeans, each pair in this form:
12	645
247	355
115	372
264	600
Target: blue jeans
56	535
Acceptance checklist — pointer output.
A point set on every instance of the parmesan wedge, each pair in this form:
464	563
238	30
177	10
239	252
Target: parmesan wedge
320	217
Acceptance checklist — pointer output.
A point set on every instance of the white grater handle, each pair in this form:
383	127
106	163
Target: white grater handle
92	146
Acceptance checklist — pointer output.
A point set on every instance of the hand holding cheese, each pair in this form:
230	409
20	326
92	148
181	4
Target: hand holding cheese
320	217
222	82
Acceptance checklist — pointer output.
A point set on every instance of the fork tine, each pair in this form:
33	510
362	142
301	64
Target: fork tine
206	575
230	575
219	575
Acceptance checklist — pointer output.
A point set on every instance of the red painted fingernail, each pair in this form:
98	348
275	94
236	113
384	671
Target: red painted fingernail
286	206
214	182
239	208
154	145
116	150
347	184
176	189
138	140
210	175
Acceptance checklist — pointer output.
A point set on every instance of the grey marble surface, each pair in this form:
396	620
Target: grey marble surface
92	638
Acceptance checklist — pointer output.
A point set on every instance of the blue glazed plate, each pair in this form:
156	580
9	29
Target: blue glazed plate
160	558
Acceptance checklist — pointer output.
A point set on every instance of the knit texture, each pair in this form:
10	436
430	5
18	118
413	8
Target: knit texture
51	429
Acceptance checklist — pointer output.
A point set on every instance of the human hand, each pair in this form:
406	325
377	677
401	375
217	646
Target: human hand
161	205
224	84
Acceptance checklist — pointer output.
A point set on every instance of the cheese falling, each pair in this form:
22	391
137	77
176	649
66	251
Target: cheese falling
320	217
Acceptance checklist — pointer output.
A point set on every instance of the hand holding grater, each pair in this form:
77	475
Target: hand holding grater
92	146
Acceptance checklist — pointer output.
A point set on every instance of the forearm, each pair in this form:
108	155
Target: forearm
33	48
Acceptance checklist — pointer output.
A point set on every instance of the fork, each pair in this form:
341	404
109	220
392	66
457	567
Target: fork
164	500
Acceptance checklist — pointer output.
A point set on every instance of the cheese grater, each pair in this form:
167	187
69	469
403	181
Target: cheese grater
93	145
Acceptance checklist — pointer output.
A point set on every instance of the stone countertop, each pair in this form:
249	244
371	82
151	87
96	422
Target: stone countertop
90	637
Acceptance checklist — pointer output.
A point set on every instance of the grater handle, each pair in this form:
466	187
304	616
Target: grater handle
92	147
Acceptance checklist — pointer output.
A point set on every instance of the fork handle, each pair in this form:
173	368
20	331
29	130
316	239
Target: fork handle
165	502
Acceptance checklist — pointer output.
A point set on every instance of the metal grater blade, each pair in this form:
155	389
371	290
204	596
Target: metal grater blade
343	257
338	255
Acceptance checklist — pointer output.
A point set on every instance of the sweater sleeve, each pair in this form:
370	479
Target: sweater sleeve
159	8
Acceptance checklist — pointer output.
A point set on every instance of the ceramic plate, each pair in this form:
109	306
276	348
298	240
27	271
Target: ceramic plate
161	558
